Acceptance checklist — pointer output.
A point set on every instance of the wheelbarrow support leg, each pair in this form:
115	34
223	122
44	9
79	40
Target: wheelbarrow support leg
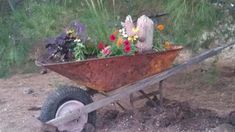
132	100
160	93
148	97
122	107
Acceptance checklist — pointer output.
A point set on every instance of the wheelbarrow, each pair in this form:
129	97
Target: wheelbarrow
100	76
71	108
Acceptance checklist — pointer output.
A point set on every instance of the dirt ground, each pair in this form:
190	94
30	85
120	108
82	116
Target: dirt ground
198	99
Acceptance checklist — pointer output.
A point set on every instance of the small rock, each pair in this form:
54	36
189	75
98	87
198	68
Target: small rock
165	122
111	114
43	71
232	118
34	108
224	128
28	91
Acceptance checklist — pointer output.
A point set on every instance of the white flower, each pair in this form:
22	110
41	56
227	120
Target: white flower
123	24
77	40
125	35
124	30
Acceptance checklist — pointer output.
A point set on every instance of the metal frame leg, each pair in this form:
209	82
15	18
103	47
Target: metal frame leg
160	93
122	107
149	95
146	96
132	100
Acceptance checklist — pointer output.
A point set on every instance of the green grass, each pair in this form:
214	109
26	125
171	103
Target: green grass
25	27
99	20
188	19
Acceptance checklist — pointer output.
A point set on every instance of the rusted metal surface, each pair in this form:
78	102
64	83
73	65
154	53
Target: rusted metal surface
111	73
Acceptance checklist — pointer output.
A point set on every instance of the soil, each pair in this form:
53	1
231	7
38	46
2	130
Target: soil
198	99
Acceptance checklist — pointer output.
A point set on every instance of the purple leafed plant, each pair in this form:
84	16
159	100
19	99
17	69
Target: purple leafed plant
80	30
61	47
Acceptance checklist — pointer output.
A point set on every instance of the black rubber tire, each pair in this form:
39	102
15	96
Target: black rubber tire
62	95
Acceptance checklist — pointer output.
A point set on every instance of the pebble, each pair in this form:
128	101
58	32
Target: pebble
28	91
43	71
34	108
232	118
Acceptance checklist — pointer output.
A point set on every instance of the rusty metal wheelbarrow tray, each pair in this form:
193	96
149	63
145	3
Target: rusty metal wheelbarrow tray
107	74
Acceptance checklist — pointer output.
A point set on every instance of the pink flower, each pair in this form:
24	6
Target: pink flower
106	51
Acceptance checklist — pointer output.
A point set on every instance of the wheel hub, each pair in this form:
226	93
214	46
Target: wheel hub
75	125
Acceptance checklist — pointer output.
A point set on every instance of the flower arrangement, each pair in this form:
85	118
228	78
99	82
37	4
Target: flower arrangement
119	44
73	44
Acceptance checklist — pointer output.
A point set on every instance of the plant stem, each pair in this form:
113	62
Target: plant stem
11	5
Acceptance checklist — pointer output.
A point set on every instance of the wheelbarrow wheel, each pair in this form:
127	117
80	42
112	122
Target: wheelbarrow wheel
62	101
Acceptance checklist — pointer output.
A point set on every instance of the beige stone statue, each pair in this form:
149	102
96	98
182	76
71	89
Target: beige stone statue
145	28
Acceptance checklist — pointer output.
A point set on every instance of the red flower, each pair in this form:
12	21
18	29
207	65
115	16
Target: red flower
112	37
127	49
126	43
100	46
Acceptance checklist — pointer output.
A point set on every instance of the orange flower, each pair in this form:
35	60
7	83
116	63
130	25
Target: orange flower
167	45
115	33
160	27
119	42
